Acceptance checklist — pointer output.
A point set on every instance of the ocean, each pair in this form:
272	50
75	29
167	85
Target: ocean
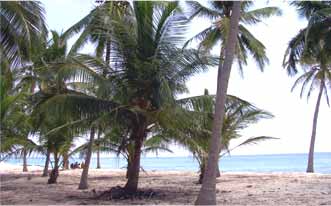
234	163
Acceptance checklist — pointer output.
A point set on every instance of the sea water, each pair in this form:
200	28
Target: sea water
234	163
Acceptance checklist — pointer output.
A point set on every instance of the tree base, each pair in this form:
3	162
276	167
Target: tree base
83	186
53	177
119	193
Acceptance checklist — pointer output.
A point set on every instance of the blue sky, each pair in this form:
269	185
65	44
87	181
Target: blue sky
270	90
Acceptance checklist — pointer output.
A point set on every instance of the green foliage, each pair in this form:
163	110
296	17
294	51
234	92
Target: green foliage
22	27
196	135
140	67
307	8
96	27
217	33
311	49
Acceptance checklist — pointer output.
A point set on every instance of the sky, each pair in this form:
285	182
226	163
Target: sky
269	90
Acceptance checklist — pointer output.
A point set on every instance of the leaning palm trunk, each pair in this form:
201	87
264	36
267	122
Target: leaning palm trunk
98	150
25	165
45	172
66	161
310	166
207	194
138	135
55	171
83	180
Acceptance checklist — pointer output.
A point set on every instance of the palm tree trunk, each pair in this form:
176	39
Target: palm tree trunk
138	134
83	180
218	172
98	149
45	172
310	166
203	169
65	161
127	169
25	165
55	171
207	194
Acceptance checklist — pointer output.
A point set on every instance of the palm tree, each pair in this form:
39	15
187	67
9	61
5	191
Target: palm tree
207	194
51	70
317	76
150	72
22	27
242	42
23	31
54	143
239	114
310	48
15	120
96	27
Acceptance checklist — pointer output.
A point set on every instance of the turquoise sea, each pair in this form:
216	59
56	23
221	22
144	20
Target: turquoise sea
235	163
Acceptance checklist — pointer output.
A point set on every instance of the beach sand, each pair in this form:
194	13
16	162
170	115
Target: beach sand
172	187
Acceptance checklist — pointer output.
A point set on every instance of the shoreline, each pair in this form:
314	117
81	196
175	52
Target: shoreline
4	166
174	187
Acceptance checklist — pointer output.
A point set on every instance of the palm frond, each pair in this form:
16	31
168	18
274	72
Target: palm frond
250	141
255	16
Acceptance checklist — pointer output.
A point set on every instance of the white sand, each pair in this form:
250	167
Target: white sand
174	187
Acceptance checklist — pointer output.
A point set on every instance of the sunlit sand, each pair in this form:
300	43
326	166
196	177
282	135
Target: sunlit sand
172	187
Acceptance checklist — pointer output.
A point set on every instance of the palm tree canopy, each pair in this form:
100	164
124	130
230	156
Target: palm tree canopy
311	49
150	68
311	44
220	13
239	114
22	26
96	27
312	79
307	8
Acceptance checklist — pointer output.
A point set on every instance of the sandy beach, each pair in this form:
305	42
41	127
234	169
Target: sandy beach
172	187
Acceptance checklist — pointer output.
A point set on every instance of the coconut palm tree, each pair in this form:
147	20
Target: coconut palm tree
56	143
311	49
96	28
15	120
51	70
239	114
150	72
243	43
317	76
207	194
